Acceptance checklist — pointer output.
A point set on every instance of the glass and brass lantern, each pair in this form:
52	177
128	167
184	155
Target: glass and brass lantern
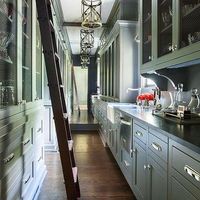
91	14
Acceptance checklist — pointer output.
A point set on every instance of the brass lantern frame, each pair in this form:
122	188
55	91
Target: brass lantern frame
91	14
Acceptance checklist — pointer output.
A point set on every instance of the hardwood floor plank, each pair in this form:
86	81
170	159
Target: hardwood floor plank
99	175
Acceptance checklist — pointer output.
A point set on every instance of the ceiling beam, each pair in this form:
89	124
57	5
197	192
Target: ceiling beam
78	24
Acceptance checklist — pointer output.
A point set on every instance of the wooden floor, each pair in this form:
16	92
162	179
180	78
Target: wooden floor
84	117
99	176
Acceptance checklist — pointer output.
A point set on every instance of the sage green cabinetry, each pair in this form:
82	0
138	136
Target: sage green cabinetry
184	173
119	70
169	33
149	163
21	70
139	171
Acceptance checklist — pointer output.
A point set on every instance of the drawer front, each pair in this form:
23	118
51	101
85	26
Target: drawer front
8	159
140	133
178	191
27	142
11	139
126	165
187	165
11	183
28	176
39	157
159	147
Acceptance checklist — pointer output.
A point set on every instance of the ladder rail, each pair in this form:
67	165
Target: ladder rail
57	98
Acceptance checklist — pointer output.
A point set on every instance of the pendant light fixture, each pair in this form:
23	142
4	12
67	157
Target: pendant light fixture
87	38
91	14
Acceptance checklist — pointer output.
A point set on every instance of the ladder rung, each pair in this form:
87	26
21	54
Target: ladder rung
75	174
52	26
70	144
57	56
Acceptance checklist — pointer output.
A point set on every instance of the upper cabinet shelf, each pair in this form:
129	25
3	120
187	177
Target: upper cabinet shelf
191	12
174	31
8	53
148	18
163	2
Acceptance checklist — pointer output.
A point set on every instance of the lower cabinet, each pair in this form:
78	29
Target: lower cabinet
157	181
139	171
184	173
179	191
127	165
155	167
20	147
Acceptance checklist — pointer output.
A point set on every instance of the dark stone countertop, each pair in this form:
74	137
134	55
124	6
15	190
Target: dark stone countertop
187	135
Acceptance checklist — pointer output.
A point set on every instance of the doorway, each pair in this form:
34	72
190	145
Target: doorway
81	78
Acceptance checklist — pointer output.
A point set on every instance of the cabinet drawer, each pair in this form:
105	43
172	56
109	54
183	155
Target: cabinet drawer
11	139
126	165
8	159
158	147
27	142
181	188
140	133
11	183
39	157
186	164
28	176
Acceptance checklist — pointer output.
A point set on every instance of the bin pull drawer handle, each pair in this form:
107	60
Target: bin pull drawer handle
9	158
139	134
157	147
26	142
126	163
27	180
40	158
124	140
125	122
39	129
191	172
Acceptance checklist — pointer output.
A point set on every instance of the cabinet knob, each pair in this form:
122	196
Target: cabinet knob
134	150
149	167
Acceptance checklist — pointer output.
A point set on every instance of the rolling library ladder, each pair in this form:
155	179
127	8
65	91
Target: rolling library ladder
56	89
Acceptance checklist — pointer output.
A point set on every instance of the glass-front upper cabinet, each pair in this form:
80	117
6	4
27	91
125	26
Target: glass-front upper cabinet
189	32
27	50
146	31
38	63
8	54
165	32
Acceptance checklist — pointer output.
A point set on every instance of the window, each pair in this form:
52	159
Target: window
146	82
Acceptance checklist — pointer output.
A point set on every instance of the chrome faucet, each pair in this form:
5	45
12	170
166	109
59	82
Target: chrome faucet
170	80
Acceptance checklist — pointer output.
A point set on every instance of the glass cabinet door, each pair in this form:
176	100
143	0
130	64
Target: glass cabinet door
38	63
8	54
164	27
146	31
27	50
189	32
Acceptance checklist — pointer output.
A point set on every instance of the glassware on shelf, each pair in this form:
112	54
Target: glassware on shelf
194	102
7	8
5	40
166	18
193	37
